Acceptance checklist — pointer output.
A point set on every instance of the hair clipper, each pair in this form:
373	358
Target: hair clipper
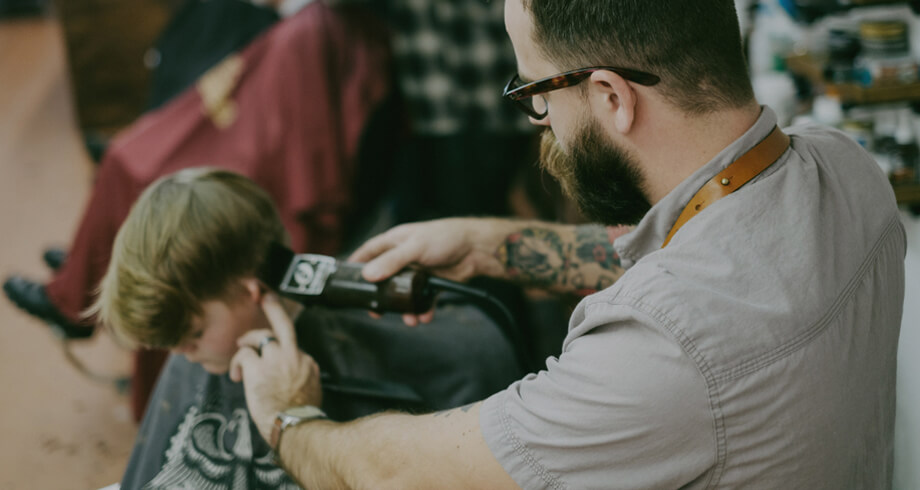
322	280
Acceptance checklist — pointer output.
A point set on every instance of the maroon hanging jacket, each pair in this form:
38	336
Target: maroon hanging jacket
288	112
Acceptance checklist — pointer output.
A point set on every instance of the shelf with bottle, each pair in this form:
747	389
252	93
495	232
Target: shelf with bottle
880	118
871	64
809	11
850	93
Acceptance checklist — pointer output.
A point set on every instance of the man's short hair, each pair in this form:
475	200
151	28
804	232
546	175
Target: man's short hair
693	45
189	238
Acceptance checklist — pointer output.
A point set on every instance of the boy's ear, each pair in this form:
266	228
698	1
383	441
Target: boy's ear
253	288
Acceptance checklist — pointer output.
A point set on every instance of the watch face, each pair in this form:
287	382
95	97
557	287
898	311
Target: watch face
305	412
291	417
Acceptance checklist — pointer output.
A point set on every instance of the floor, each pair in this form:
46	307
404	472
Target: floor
60	429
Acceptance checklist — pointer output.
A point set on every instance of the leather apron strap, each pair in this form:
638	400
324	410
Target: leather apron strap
742	170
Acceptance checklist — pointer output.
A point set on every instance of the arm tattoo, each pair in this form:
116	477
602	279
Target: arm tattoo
594	250
535	256
582	261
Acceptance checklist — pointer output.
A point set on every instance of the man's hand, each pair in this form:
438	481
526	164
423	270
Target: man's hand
450	248
456	249
282	376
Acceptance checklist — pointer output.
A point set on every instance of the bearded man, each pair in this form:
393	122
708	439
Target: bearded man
750	337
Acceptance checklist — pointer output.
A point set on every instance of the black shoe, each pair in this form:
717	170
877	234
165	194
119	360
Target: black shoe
96	145
31	297
54	257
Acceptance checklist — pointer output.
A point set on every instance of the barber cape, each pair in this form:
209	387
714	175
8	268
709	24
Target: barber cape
197	432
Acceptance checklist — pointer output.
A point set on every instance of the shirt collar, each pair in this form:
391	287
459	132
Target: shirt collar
651	232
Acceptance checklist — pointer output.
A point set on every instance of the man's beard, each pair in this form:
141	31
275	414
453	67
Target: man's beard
603	180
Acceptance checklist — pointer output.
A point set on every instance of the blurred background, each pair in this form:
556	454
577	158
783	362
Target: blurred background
61	429
81	77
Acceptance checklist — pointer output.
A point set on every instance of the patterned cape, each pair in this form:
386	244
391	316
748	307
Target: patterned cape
197	432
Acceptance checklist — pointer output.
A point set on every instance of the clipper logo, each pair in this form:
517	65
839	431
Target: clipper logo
307	274
304	274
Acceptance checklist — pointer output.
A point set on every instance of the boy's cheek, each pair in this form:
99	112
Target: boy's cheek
216	368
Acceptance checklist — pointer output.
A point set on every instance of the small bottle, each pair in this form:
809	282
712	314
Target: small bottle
884	144
843	47
827	110
904	158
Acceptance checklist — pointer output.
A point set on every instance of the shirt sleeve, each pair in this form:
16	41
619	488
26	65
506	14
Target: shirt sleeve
622	407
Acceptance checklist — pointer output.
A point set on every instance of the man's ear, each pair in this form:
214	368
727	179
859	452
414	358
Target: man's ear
254	289
615	98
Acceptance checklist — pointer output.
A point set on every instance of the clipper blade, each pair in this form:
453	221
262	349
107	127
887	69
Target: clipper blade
275	266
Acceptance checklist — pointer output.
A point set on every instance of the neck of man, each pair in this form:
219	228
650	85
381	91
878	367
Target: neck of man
675	145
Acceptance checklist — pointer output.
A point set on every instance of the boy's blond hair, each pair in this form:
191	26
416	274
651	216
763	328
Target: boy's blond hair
189	238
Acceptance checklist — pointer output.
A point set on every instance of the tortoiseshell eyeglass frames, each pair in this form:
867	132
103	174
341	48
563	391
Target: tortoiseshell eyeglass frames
518	92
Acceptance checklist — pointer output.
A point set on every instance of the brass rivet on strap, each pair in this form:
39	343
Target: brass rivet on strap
726	182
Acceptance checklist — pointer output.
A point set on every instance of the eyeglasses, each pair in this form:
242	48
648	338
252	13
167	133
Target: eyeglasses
519	92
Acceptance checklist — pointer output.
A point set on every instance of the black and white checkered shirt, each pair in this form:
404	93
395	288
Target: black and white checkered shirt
453	59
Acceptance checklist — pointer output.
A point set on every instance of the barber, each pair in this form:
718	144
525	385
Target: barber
750	339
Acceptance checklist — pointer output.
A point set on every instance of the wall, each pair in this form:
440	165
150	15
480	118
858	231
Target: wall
907	426
106	41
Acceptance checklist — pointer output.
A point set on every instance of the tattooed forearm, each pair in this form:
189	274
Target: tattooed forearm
567	258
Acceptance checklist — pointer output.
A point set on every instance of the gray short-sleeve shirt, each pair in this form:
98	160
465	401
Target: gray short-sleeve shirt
757	350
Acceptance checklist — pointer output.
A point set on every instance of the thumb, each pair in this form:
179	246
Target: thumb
240	362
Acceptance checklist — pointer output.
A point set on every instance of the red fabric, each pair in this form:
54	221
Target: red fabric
302	97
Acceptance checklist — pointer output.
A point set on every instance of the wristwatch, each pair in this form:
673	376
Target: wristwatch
291	417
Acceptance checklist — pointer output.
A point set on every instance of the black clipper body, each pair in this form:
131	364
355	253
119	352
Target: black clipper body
321	280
